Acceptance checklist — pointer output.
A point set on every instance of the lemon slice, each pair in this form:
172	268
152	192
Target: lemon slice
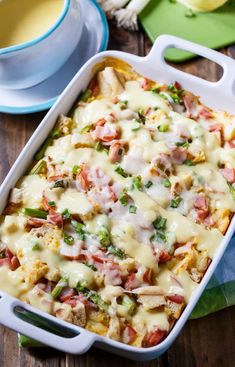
203	5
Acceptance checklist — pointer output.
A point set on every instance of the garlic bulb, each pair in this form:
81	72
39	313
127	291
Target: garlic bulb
127	17
110	6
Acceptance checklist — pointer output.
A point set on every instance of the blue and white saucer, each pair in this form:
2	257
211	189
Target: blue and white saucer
94	39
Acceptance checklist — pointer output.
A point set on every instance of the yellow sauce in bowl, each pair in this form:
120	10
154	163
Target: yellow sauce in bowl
25	20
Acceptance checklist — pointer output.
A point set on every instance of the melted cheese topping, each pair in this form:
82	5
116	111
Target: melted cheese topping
143	203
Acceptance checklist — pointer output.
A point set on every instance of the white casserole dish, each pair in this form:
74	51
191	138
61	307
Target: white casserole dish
217	95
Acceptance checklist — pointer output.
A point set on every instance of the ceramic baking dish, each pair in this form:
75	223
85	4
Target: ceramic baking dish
219	95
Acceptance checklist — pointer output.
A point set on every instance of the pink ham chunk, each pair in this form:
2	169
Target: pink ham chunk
229	174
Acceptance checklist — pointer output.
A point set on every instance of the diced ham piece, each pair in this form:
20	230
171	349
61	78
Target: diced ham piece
129	334
112	273
178	155
231	143
106	133
116	151
153	338
205	113
146	84
55	219
229	174
215	128
104	197
164	257
190	103
82	178
177	298
94	87
98	178
66	294
132	282
57	177
36	222
202	207
5	262
14	263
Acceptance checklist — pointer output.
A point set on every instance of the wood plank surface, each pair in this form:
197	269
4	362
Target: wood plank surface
208	342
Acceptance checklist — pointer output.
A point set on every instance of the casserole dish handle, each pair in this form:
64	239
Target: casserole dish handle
79	341
164	42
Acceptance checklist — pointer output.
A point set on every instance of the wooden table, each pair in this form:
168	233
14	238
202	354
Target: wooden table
208	342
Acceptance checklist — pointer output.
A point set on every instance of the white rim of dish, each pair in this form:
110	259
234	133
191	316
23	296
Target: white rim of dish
47	105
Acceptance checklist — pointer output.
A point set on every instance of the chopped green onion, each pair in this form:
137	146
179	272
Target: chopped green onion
91	266
175	202
60	183
82	287
121	171
141	117
66	214
232	190
55	134
148	184
160	223
52	203
136	183
123	104
135	128
75	169
40	167
166	182
163	128
124	198
40	154
63	282
95	298
132	209
30	212
79	229
104	237
120	151
69	240
36	247
183	144
85	95
116	252
156	90
129	304
98	146
159	236
188	162
86	129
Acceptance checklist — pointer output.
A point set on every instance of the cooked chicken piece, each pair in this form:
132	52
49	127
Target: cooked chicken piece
109	82
79	314
151	302
82	140
153	290
64	125
63	311
16	196
40	299
174	309
114	329
35	271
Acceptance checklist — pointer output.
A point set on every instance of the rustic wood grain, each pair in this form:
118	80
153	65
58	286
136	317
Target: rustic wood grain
208	342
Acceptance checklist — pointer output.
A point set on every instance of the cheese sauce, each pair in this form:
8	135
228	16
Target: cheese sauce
28	20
